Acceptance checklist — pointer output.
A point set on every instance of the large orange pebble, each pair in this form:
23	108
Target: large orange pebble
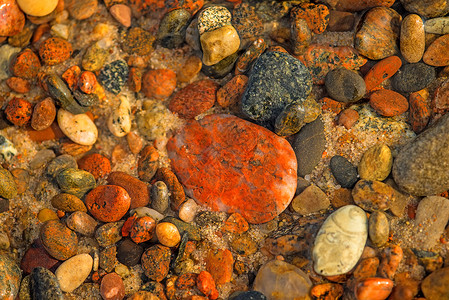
420	110
316	16
374	288
381	71
59	241
159	83
96	164
108	203
219	263
388	103
366	268
71	76
236	223
327	291
55	50
18	85
391	258
168	234
112	287
18	111
436	54
26	64
137	189
142	229
206	284
44	114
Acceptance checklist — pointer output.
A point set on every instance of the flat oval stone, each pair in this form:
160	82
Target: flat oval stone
420	166
344	85
376	163
311	200
159	196
72	273
436	54
388	103
59	163
68	203
344	172
108	203
225	141
119	122
129	253
82	223
378	228
428	8
374	288
340	241
412	39
44	285
435	285
44	114
437	25
59	241
10	276
75	182
79	128
173	27
413	77
148	163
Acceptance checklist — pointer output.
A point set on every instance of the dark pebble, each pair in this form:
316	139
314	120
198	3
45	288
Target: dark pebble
345	85
59	91
86	100
172	29
344	172
159	197
250	295
108	258
222	68
413	77
114	76
59	163
4	205
129	253
45	285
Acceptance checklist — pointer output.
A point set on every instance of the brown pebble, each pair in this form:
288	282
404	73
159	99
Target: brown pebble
59	241
177	196
436	54
18	85
148	163
18	111
340	21
135	79
135	142
348	118
87	82
192	66
137	190
372	195
26	64
122	13
68	203
44	114
232	91
412	38
81	9
156	262
112	287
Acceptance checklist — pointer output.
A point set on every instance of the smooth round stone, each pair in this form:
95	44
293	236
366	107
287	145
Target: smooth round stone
37	8
82	223
148	163
376	163
437	25
108	234
311	200
172	28
129	253
10	276
388	103
44	285
344	172
75	182
188	210
219	44
280	280
68	203
340	241
435	285
119	121
428	8
44	114
79	128
59	163
114	76
136	189
59	241
412	38
345	85
295	116
373	195
168	234
374	288
95	57
72	273
142	229
8	187
59	91
378	228
413	77
212	18
108	203
122	13
159	196
435	54
112	287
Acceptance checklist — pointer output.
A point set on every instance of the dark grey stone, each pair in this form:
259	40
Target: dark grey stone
250	295
86	100
44	285
114	76
276	80
421	167
172	30
344	172
129	253
345	85
413	77
309	144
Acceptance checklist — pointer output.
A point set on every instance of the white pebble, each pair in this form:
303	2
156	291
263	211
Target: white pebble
119	122
147	212
72	273
79	128
188	210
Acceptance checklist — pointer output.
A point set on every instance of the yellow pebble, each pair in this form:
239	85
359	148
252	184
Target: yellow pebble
167	234
47	214
37	8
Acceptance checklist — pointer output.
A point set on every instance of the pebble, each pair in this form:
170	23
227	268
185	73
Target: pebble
75	182
437	25
412	38
219	44
41	158
78	128
247	22
316	16
109	233
108	203
331	290
18	111
13	19
55	50
194	99
129	253
435	54
374	288
22	179
18	85
311	200
159	196
4	241
60	163
187	211
381	71
81	10
388	103
340	241
59	241
7	53
96	164
68	203
44	113
390	259
21	39
439	103
191	67
222	68
155	262
413	77
172	28
434	286
231	93
376	163
419	168
213	17
191	230
309	144
72	273
135	142
71	76
244	245
8	187
114	76
206	284
378	34
81	223
250	295
4	205
373	195
138	191
39	9
148	163
340	21
428	9
295	116
7	149
348	118
159	83
269	90
378	228
119	121
122	13
432	216
246	60
10	276
219	263
95	57
87	82
344	172
142	229
345	85
36	256
355	5
47	214
137	41
44	285
250	137
168	234
272	276
107	258
112	287
177	194
59	91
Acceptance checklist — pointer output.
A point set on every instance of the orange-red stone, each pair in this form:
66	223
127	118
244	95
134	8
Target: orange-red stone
18	111
388	103
331	105
26	64
159	83
374	289
232	91
206	284
316	16
219	264
142	229
12	18
419	114
232	165
87	82
381	71
71	76
327	291
108	203
137	189
55	50
18	85
96	164
348	117
437	54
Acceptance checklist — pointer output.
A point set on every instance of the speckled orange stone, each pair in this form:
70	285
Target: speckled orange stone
388	103
87	82
420	111
142	229
18	111
55	50
219	263
96	164
71	76
232	165
186	281
331	105
59	241
12	18
18	85
178	195
156	262
159	83
316	16
327	291
26	64
232	91
236	223
108	203
437	54
206	284
137	189
381	71
44	114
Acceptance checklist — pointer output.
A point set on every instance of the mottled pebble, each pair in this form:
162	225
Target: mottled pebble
112	287
376	163
219	263
75	182
413	77
95	57
59	241
159	196
247	59
142	229
428	9
294	116
437	25
373	195
412	38
381	71
231	93
316	15
13	19
155	262
44	285
59	163
44	113
68	203
96	164
81	223
108	203
419	109
378	228
159	83
173	27
212	18
18	111
8	187
55	50
138	41
72	273
435	54
311	200
345	85
114	76
107	258
10	276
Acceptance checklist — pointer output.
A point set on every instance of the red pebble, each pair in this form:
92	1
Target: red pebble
232	91
108	203
112	287
219	263
142	229
316	15
388	103
419	110
331	105
12	18
374	289
194	99
236	223
36	256
159	83
206	284
18	111
96	164
348	118
137	189
55	50
327	291
18	85
186	281
126	228
381	71
26	64
71	76
87	82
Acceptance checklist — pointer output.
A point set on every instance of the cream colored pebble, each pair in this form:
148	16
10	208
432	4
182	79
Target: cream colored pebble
79	128
119	122
72	273
188	210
